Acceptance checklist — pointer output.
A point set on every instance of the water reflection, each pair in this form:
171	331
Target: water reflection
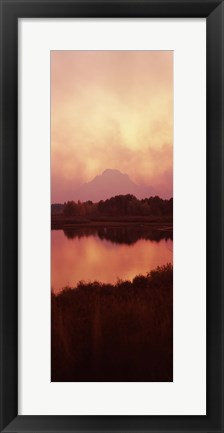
105	254
120	235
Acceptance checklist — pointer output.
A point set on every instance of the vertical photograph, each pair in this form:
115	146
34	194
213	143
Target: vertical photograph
111	216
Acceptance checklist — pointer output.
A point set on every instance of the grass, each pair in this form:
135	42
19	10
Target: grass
122	332
61	222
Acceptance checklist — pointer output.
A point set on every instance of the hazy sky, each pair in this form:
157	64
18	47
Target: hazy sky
111	109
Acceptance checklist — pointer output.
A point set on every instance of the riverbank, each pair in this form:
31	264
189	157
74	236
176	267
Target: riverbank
158	223
122	332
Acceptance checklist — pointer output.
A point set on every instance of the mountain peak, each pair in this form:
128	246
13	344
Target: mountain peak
112	172
108	184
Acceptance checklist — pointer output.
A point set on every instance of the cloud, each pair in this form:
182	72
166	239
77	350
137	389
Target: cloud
110	109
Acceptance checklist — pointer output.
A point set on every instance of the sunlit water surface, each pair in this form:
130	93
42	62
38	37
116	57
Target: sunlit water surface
90	258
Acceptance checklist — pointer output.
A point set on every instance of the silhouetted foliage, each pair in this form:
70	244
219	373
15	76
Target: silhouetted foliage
57	208
120	205
122	332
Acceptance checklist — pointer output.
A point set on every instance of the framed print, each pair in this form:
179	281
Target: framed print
111	216
117	347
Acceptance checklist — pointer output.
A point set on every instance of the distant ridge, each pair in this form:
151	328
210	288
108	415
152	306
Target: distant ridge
108	184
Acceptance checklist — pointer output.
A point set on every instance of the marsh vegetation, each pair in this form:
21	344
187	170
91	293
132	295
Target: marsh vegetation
120	332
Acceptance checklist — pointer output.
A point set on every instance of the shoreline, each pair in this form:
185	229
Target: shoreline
59	222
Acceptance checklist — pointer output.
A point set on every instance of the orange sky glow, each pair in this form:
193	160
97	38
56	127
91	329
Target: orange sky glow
111	109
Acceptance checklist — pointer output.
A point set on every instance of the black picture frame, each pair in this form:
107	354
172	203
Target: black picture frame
11	11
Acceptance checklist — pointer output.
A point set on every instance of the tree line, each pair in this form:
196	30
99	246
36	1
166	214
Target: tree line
120	205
